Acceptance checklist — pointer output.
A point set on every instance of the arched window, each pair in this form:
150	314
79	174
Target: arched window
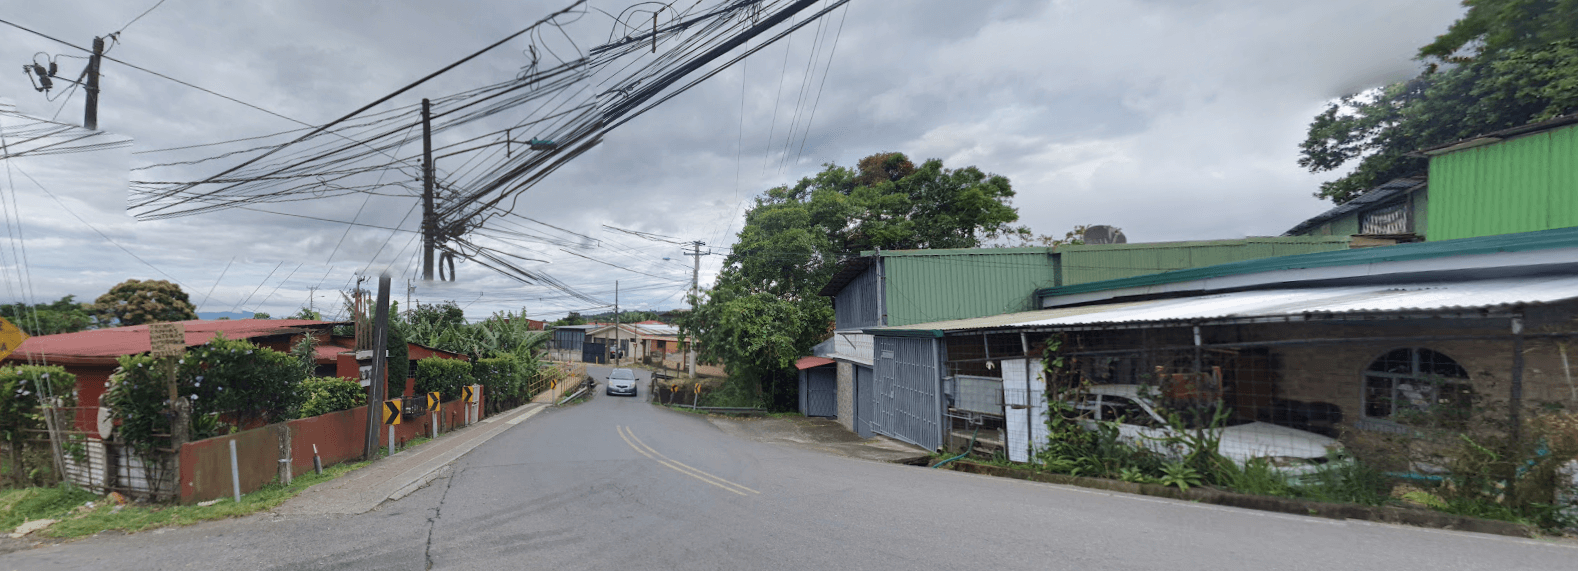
1418	387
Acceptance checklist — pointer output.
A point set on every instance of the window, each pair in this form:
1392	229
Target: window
1417	387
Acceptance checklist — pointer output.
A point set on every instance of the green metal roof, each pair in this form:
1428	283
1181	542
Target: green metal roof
1101	262
960	252
1526	241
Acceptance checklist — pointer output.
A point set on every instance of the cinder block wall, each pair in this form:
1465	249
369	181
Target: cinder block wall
846	395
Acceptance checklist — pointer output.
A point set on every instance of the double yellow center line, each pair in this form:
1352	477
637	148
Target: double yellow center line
639	446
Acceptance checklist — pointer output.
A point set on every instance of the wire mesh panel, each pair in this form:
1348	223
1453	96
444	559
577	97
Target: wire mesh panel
1025	408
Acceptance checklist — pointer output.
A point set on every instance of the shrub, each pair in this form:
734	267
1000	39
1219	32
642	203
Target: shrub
21	395
24	390
446	376
230	383
504	381
330	394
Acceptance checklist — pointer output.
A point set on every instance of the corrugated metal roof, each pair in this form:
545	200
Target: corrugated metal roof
846	273
1281	303
1391	189
1497	136
1100	262
1527	241
106	344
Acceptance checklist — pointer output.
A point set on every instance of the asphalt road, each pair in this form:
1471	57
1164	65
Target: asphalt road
619	483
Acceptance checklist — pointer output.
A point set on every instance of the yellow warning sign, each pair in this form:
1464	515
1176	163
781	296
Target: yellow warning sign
10	337
434	400
468	393
391	411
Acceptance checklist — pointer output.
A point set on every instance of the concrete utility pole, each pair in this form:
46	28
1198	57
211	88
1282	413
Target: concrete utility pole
616	322
90	113
378	389
695	292
429	225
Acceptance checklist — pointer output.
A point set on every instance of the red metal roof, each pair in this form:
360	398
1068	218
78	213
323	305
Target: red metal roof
104	345
813	361
324	354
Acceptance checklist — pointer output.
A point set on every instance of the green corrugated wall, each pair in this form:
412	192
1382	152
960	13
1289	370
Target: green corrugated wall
1519	185
959	283
1093	263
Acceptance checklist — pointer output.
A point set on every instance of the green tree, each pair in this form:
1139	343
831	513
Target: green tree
135	302
764	311
306	314
65	315
574	318
260	315
1504	64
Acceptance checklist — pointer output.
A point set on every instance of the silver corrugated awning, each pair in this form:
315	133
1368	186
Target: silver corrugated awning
1284	304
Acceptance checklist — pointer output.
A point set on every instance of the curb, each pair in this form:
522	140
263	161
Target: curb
441	470
1383	514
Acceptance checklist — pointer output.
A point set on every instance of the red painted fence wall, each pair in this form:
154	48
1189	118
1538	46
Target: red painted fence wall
205	464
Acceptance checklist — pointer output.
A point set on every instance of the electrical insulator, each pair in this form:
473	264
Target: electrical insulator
43	77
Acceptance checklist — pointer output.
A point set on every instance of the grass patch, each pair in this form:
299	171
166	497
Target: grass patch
61	503
27	504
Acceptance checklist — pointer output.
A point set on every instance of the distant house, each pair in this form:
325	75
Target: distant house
91	355
569	343
638	340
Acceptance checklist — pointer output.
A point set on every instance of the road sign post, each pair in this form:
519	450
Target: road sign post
391	417
434	403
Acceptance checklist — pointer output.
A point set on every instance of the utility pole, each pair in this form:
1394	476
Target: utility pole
90	113
695	292
312	293
616	322
429	225
376	393
409	288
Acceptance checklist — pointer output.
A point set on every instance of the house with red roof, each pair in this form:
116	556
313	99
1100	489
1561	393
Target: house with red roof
92	355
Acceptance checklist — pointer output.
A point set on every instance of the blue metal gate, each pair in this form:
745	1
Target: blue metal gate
821	398
594	352
907	403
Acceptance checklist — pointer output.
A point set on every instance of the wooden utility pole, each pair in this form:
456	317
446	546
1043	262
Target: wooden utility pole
377	389
429	225
90	113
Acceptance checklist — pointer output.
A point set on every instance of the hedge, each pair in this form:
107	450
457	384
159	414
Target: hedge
331	394
446	376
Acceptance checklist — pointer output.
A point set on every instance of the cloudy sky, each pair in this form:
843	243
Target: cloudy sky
1171	120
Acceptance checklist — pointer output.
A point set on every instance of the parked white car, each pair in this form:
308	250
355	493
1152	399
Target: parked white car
1289	451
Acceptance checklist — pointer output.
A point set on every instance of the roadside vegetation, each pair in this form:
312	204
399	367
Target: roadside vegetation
79	513
1484	473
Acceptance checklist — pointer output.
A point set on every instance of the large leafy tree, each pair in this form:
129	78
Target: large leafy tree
764	311
1504	63
135	302
65	315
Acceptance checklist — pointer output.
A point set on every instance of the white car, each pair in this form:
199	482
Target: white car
1289	451
622	382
